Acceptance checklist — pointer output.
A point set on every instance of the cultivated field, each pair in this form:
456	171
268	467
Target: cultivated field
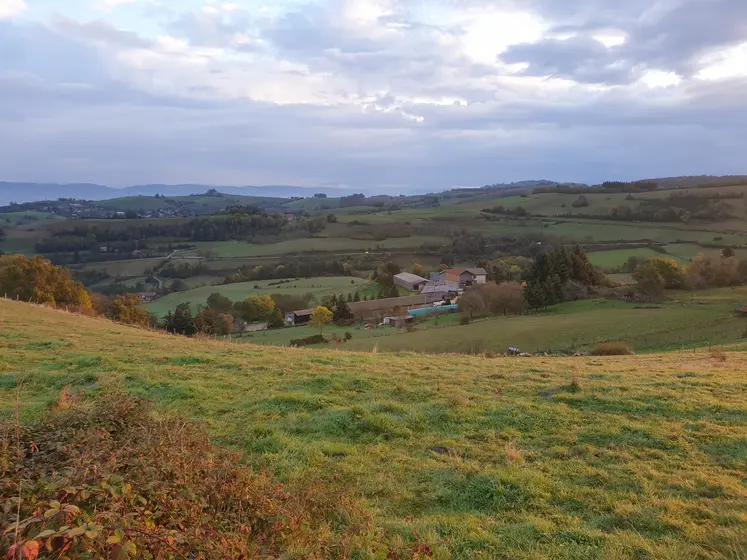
478	458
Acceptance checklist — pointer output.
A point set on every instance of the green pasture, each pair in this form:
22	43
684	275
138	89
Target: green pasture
451	457
320	287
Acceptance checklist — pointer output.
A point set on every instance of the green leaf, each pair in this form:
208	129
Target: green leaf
45	534
78	531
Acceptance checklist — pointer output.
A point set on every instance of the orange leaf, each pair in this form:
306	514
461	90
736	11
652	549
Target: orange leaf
30	550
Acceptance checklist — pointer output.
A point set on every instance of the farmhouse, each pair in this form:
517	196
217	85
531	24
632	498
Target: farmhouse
465	277
408	281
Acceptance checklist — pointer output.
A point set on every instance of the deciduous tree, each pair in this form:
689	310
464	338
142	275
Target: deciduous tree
126	309
321	318
38	280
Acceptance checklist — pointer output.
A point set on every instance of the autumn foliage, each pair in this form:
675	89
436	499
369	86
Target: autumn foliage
109	481
39	281
126	309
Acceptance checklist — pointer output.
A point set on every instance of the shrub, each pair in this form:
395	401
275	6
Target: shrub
111	481
580	202
348	336
612	349
465	319
308	341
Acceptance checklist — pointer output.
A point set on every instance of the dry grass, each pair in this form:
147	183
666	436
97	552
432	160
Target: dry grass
513	454
575	385
612	349
718	355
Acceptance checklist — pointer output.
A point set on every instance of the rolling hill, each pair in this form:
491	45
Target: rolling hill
451	456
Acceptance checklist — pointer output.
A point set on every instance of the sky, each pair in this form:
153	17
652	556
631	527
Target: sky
399	95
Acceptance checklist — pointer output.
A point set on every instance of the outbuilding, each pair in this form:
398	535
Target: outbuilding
439	292
408	281
300	317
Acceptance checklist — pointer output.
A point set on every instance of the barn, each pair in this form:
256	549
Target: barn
411	282
300	317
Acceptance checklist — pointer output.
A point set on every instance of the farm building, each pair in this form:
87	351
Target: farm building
377	309
465	277
399	322
408	281
439	292
298	317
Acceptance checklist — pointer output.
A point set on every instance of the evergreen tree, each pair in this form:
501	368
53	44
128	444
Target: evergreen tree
180	321
341	311
357	296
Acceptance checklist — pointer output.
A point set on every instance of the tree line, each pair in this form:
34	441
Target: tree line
605	188
290	269
655	275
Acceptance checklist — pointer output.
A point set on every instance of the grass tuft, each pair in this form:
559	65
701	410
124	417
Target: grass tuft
575	386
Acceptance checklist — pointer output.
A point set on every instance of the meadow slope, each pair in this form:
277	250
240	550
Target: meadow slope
644	457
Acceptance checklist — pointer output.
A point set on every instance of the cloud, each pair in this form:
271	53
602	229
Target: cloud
376	92
11	8
674	36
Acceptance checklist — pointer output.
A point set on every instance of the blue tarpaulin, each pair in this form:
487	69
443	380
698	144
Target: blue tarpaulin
431	310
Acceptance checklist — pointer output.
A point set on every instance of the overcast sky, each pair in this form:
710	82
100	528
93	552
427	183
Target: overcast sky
396	94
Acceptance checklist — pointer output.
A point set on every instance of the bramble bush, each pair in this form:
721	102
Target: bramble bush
109	481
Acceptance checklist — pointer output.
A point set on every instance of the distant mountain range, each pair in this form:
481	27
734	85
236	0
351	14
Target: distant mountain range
32	192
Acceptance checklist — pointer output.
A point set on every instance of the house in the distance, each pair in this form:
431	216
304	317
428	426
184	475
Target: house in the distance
465	277
408	281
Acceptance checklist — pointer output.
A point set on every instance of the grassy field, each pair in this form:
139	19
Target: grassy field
643	457
618	257
28	218
282	337
320	287
127	269
707	319
200	205
235	249
580	325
